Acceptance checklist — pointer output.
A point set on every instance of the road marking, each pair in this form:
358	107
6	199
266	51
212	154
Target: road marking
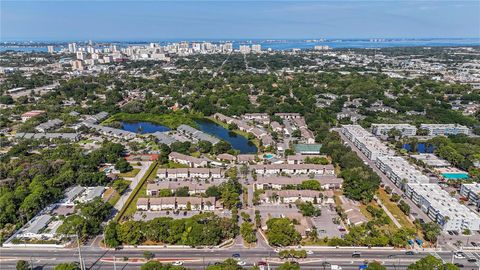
437	256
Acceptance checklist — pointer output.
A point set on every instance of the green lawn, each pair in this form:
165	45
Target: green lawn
393	208
129	174
171	120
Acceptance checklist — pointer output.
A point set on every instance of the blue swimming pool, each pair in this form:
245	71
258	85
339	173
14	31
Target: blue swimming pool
455	175
268	156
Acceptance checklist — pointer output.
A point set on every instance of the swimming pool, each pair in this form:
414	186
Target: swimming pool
268	156
458	175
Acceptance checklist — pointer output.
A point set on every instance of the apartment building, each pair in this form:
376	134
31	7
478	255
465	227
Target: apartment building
383	129
291	196
399	171
443	208
176	203
445	129
472	192
194	188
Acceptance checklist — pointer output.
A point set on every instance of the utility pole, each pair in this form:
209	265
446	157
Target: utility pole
80	253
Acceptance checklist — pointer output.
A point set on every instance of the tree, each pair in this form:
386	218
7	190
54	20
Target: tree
375	266
248	232
204	146
289	266
221	147
281	232
120	185
431	263
123	166
67	266
404	207
111	239
310	185
308	209
182	192
22	265
431	231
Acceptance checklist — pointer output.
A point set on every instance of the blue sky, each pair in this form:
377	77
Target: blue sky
157	20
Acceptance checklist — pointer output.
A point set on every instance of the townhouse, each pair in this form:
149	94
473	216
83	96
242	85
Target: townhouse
177	203
182	173
288	115
49	125
291	196
190	161
153	189
263	118
300	159
196	134
281	182
292	169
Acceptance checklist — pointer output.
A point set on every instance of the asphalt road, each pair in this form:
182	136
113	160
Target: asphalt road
95	258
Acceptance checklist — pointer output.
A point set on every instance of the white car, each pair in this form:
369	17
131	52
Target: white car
459	255
177	263
309	252
241	263
277	250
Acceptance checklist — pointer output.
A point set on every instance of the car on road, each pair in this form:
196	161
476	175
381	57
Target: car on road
236	255
309	252
409	253
241	263
261	263
473	244
459	265
356	254
177	263
277	250
459	255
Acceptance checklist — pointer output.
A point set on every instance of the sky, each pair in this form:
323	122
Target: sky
163	20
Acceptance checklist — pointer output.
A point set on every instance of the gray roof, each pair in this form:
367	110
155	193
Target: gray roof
163	137
50	124
38	224
197	134
72	193
93	193
68	136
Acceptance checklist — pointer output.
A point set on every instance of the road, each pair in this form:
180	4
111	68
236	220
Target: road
96	258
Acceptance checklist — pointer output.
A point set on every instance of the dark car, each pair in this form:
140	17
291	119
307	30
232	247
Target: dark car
473	244
459	265
261	263
235	255
409	253
356	254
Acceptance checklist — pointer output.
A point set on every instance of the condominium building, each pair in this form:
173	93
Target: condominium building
293	169
443	208
400	171
445	129
383	129
369	145
472	192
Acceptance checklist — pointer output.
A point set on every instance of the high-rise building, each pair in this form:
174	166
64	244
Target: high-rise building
72	47
50	49
244	49
256	48
80	55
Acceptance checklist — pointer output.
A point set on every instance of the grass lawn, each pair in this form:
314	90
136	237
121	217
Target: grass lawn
129	174
173	165
130	206
393	208
171	120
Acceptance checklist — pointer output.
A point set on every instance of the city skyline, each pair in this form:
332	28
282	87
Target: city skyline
125	20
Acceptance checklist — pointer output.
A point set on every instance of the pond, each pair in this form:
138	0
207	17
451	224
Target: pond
419	147
238	142
143	127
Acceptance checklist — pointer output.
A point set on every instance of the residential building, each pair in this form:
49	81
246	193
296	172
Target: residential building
445	129
292	169
190	161
281	182
406	130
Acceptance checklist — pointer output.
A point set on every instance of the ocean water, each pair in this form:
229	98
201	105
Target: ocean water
295	44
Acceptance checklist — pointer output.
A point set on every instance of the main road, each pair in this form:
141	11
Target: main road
97	258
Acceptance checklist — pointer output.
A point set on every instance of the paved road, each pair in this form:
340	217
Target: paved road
95	258
134	182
